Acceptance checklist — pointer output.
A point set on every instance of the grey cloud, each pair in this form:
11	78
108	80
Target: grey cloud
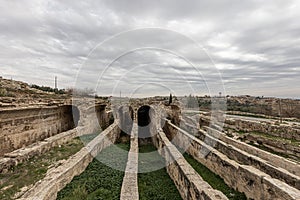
255	44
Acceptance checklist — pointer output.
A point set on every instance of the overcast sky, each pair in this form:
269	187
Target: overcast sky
146	48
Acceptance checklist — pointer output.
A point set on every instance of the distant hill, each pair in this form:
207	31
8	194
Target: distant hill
16	93
270	106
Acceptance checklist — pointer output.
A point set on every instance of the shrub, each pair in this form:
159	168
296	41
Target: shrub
3	92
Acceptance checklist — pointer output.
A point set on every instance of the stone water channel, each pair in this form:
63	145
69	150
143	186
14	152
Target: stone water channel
124	177
109	166
159	171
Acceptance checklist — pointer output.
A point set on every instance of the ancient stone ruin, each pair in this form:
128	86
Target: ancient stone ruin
257	158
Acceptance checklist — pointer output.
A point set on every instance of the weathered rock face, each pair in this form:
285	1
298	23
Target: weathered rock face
22	127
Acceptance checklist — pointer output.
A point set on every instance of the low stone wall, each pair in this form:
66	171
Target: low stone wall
273	159
254	183
279	146
189	127
22	127
245	158
20	155
57	178
283	130
188	182
89	126
129	189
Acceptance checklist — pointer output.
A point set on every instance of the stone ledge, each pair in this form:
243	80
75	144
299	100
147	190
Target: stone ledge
57	178
245	158
245	178
129	189
275	160
188	182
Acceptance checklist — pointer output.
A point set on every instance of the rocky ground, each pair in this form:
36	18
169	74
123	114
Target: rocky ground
19	94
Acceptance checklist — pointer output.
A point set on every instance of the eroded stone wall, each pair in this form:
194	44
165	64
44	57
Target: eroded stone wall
244	178
283	130
92	119
283	147
57	178
188	182
22	127
273	159
245	158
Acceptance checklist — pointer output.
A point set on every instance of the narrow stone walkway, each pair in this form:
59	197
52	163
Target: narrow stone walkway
129	189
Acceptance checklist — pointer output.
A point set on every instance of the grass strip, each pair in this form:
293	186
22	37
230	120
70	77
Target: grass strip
155	184
34	169
99	181
214	180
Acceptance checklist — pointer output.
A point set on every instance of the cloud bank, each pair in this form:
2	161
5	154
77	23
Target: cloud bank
255	46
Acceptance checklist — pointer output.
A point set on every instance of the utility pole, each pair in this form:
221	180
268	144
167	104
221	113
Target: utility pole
280	111
120	97
170	99
55	82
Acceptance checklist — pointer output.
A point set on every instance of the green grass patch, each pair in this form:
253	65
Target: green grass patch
99	181
155	184
34	169
241	132
214	180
